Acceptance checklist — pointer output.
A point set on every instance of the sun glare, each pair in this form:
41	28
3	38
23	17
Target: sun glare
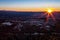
49	11
50	14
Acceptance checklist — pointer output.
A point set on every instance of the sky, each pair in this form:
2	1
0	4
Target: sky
29	5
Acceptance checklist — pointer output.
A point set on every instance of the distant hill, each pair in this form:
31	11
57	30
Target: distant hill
11	14
17	14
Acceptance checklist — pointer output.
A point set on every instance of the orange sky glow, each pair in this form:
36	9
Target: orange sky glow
29	9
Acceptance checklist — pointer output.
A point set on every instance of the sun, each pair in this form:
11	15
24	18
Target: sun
50	14
49	11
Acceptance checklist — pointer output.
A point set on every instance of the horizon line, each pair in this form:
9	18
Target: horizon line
29	9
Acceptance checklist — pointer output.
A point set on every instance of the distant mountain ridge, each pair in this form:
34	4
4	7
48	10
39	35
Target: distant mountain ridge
15	13
24	14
